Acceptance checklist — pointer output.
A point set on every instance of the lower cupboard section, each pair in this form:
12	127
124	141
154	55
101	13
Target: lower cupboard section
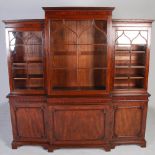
54	126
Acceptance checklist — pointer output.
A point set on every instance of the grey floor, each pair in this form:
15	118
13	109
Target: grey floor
6	138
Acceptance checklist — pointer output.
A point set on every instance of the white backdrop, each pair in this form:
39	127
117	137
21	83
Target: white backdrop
31	9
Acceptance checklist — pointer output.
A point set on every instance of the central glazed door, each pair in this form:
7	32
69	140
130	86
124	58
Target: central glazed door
78	54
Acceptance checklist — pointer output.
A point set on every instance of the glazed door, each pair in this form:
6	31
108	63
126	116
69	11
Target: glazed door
26	63
78	57
131	58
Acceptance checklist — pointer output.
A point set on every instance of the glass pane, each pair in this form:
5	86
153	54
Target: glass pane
92	79
122	59
92	56
26	46
78	54
36	83
122	38
35	69
138	59
19	70
64	79
27	59
20	83
131	37
64	56
121	84
136	83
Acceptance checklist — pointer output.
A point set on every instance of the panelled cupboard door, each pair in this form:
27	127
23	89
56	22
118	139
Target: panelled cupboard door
29	122
129	120
78	124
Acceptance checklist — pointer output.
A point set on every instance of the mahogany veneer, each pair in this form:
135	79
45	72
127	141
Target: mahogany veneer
78	79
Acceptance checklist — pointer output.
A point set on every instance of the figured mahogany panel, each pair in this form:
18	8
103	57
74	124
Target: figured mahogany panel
129	120
28	119
79	123
124	119
30	122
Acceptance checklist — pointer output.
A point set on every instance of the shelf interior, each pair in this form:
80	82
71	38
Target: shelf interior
26	49
130	55
78	54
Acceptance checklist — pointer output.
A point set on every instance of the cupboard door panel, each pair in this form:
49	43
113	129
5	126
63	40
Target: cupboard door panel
29	122
129	120
84	123
76	125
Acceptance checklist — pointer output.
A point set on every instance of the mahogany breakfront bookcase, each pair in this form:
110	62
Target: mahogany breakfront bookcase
78	79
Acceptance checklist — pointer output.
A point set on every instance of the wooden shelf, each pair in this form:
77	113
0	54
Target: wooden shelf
35	61
129	51
129	47
136	77
120	87
129	66
71	53
98	44
27	61
120	78
29	77
137	66
67	53
35	76
20	78
26	45
93	68
127	88
130	77
79	88
29	88
134	45
38	88
138	52
91	52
